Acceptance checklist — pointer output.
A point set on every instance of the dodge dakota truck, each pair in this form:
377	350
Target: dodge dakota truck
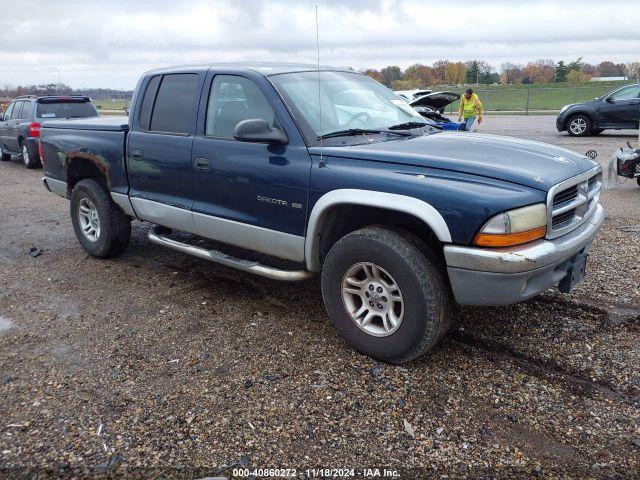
336	174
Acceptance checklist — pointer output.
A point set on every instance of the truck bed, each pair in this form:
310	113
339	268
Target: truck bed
109	123
82	147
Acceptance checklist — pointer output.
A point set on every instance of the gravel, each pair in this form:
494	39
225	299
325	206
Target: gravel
158	364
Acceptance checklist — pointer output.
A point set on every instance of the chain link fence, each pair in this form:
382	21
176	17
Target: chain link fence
532	98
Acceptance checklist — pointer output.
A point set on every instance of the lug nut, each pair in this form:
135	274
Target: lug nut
367	294
384	299
379	289
371	287
371	304
380	306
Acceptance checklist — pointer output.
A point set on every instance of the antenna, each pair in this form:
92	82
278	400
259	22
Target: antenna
319	96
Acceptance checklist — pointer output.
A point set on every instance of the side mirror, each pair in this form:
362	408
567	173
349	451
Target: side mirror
258	130
609	100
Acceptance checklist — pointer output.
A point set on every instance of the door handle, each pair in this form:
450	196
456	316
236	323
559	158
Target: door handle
137	154
202	164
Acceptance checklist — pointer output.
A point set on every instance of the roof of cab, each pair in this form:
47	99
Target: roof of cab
263	68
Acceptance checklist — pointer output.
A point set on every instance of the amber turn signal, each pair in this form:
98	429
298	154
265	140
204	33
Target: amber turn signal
509	239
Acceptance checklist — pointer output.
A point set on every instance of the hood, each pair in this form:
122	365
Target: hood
411	95
525	162
436	100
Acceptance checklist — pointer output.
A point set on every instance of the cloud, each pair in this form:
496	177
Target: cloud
111	43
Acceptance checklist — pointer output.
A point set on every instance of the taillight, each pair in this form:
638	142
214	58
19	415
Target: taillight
34	129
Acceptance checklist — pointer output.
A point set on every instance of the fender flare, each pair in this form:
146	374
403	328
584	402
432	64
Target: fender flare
370	198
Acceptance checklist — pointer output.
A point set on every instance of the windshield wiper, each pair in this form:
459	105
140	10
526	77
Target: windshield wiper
358	131
409	125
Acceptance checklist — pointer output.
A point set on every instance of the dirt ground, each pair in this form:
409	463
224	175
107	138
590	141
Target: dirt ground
157	364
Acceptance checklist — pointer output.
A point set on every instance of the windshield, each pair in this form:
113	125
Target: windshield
348	100
65	110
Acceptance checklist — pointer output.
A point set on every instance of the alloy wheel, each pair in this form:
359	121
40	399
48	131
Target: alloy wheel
373	299
89	220
578	126
25	155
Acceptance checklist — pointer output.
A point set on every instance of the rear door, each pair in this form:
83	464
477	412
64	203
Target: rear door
159	148
253	195
12	127
621	108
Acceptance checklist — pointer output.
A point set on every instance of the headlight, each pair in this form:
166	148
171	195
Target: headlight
563	109
514	227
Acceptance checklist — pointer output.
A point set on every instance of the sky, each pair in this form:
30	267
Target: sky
109	43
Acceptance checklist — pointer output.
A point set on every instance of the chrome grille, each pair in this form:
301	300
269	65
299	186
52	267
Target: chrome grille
571	202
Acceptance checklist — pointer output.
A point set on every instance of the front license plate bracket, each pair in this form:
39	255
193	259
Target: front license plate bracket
576	272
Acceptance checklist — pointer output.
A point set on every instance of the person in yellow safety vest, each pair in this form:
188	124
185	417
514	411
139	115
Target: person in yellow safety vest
470	108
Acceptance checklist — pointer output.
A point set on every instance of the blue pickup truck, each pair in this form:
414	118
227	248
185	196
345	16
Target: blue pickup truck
328	169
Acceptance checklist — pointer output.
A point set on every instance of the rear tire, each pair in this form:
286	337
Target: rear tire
29	157
579	125
387	267
101	227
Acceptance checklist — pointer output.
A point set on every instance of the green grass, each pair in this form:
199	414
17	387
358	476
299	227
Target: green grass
495	98
540	97
115	104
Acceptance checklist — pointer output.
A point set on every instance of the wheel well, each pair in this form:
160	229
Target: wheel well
20	140
344	219
80	169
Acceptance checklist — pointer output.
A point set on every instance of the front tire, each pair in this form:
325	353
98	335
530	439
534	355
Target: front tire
29	157
100	225
579	125
4	156
386	295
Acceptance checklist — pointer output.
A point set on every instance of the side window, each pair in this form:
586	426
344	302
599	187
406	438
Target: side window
175	103
233	99
628	93
147	102
7	114
17	110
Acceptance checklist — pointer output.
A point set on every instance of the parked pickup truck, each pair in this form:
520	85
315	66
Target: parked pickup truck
332	171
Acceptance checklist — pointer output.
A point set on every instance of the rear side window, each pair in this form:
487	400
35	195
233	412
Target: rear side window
175	103
17	110
26	110
65	110
147	102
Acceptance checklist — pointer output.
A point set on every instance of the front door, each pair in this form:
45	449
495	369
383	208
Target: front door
159	149
620	109
253	195
4	126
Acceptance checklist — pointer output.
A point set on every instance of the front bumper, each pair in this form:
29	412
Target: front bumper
560	123
501	276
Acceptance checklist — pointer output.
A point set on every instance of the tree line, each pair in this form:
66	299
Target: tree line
62	89
445	72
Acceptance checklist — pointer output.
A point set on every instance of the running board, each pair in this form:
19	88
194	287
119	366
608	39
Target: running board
229	261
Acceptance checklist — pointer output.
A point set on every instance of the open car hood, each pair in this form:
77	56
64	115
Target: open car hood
436	100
